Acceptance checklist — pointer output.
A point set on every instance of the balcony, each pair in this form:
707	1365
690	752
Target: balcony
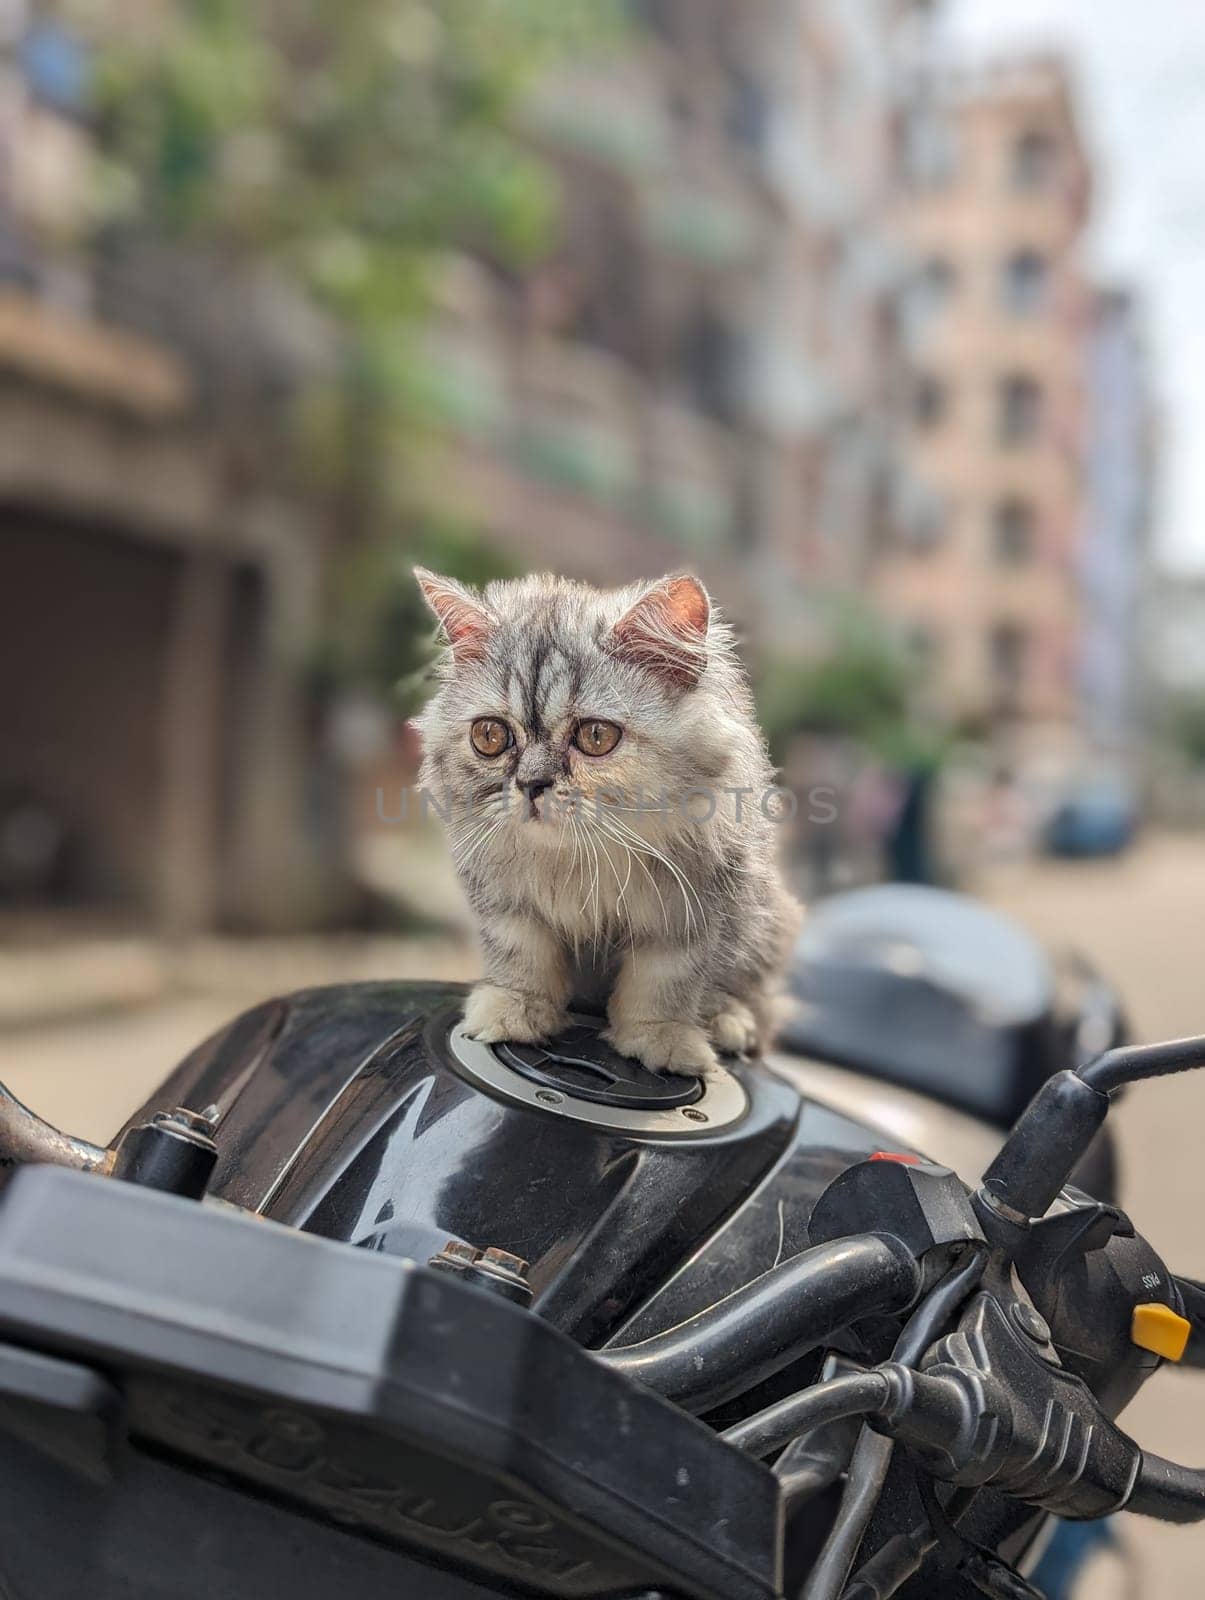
461	373
804	180
788	394
612	116
688	494
704	225
572	428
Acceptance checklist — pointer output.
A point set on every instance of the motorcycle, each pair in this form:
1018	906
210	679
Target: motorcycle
358	1304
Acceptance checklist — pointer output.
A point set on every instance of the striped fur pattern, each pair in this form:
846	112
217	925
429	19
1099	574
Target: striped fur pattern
612	884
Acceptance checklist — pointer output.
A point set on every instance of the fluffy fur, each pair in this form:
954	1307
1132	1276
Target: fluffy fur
678	920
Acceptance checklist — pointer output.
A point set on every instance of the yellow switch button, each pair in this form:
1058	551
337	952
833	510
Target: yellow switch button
1157	1328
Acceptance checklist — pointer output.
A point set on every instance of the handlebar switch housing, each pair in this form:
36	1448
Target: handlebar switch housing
1086	1269
924	1205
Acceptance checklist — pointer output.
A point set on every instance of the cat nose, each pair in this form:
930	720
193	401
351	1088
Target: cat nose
533	788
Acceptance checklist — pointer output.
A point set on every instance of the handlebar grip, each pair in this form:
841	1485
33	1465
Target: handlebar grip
1168	1491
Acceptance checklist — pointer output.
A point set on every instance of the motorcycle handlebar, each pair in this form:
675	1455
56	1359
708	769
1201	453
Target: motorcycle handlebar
772	1321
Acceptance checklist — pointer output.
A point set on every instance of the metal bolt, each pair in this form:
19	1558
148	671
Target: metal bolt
549	1097
1031	1323
692	1115
502	1273
504	1259
291	1426
182	1117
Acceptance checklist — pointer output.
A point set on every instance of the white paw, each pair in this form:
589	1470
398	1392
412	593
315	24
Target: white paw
679	1048
493	1014
734	1029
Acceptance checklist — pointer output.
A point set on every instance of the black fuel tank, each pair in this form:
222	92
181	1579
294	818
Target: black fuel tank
356	1112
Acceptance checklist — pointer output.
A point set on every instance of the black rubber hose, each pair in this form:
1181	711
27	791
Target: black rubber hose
850	1396
929	1319
902	1556
872	1455
892	1564
813	1462
1132	1062
772	1321
864	1485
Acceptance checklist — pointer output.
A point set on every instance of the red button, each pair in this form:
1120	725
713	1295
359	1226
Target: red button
901	1156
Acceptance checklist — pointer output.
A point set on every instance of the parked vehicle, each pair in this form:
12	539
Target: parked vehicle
356	1304
929	1014
1097	818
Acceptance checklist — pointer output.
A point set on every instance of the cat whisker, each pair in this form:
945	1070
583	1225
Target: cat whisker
636	854
620	905
637	857
587	846
480	842
578	870
686	888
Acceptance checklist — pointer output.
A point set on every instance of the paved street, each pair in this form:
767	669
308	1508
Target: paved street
1140	919
1143	921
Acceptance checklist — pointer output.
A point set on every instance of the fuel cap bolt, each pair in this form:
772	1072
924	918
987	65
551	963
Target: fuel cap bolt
496	1270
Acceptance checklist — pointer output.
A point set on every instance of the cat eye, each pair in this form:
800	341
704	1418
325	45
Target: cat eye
596	738
490	737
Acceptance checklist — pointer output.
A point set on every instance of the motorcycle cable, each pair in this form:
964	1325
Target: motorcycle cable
1134	1063
814	1461
851	1395
990	1573
872	1454
901	1557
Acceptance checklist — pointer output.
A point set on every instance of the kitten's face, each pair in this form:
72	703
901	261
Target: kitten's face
561	696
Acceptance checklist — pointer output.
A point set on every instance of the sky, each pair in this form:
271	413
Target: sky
1139	69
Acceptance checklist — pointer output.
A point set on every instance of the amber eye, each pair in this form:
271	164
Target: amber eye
490	737
595	738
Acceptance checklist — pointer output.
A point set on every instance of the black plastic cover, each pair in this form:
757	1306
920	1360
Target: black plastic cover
388	1404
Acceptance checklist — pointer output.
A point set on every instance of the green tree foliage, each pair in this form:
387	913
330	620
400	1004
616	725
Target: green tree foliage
864	687
376	582
354	143
1185	722
859	684
350	147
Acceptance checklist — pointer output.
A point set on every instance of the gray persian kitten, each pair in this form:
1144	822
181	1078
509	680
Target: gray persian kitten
605	782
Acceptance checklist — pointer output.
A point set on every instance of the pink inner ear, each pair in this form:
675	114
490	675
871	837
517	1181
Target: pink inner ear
666	631
467	625
467	629
687	601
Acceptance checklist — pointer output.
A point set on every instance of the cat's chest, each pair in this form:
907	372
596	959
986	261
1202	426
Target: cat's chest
609	898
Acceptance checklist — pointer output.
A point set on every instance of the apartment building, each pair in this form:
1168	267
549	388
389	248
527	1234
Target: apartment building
701	373
1115	555
994	412
154	714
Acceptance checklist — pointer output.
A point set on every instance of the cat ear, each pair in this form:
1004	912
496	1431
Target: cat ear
463	615
666	631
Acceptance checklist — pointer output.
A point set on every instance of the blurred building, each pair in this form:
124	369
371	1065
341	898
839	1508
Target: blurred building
1175	630
156	599
701	373
1115	550
996	325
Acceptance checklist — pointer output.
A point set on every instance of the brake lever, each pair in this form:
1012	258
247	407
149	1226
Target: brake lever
991	1405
